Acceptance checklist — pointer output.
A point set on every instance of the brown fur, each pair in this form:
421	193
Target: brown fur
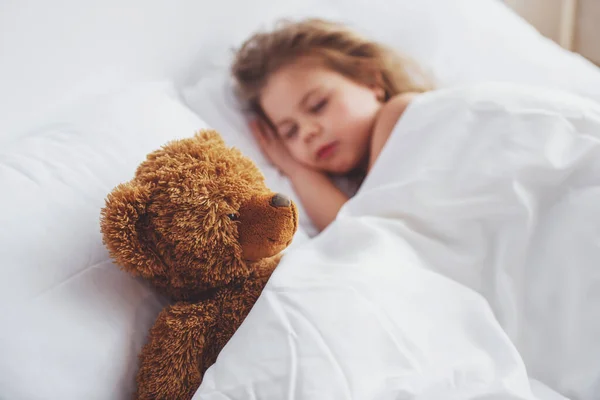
196	222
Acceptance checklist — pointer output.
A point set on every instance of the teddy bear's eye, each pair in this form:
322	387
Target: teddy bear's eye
233	217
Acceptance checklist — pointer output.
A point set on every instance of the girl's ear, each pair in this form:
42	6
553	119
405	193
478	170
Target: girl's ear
380	93
376	79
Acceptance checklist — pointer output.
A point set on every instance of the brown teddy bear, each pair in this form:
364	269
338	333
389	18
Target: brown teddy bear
199	224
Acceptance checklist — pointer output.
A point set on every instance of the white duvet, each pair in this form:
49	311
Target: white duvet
467	267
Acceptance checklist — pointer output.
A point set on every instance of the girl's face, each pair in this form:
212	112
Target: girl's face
324	119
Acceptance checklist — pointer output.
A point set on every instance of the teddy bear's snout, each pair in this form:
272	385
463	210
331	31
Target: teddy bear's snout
267	224
280	200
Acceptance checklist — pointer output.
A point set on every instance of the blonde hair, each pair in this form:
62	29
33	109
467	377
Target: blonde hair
336	46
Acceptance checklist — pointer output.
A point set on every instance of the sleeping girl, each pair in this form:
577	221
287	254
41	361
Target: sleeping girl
325	100
493	185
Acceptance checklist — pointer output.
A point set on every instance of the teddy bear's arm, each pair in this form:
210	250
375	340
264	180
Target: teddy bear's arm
187	337
171	363
235	302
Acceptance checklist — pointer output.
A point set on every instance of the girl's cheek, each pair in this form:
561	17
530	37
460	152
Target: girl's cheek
335	119
298	153
339	111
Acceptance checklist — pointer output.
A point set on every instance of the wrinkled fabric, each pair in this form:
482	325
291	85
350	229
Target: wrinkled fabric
466	267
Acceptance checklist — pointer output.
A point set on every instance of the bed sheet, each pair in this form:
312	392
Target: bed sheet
465	267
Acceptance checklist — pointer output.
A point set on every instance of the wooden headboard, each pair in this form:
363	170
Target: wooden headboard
571	23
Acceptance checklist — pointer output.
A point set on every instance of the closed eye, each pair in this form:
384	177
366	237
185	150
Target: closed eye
290	133
319	106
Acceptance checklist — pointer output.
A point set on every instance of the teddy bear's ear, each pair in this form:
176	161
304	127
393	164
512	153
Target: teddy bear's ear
210	136
123	230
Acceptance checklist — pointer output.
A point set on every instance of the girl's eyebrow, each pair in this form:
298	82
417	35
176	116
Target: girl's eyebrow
307	96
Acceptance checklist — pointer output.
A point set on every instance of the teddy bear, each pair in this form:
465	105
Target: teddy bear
199	224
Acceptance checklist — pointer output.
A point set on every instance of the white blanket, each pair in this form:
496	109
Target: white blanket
465	268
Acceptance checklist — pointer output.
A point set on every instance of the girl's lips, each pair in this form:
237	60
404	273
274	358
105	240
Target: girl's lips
326	151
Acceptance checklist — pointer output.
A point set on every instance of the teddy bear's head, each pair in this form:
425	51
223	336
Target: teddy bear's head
196	216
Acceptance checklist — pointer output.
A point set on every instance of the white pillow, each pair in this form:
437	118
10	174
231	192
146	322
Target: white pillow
72	322
458	42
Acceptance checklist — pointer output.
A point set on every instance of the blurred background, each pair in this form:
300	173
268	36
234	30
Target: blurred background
574	24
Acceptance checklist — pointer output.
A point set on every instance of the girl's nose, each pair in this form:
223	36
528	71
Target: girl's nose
311	131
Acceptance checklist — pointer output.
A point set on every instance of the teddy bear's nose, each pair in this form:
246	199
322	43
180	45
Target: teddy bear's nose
280	200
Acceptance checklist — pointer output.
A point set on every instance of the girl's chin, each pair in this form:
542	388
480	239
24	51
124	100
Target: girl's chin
342	169
348	167
336	168
341	165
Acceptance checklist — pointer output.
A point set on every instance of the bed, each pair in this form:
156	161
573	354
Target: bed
90	89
